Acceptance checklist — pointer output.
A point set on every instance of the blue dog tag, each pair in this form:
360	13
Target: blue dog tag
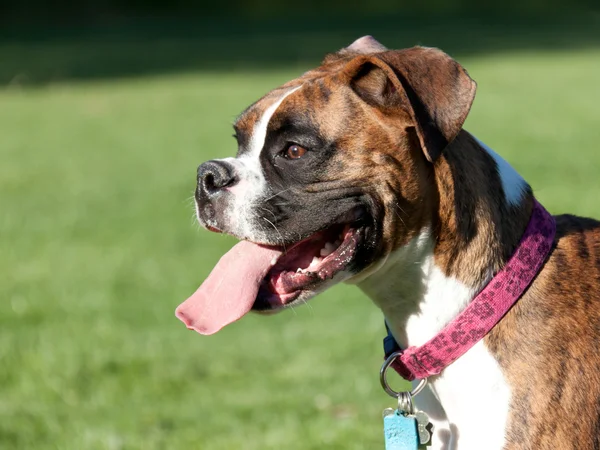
400	431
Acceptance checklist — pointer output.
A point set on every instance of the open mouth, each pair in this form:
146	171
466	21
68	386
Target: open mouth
264	278
307	264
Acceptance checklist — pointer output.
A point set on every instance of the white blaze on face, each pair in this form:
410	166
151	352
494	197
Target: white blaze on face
512	183
252	186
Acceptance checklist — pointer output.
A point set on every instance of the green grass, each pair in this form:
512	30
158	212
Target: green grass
98	246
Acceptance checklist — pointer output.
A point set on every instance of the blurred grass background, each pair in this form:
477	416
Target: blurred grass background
102	125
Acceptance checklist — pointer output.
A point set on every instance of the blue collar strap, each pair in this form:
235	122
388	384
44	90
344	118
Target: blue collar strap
389	343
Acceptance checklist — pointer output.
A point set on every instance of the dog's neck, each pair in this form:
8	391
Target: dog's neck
479	215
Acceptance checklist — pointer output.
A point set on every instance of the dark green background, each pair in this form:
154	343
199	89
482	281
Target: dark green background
294	14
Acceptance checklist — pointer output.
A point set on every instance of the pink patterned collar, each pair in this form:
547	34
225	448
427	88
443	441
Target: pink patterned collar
485	310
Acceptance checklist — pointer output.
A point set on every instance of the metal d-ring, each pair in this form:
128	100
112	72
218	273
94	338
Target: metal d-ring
402	396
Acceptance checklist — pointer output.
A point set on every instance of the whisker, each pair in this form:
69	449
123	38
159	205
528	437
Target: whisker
294	310
279	193
280	235
400	208
194	221
399	216
309	306
269	211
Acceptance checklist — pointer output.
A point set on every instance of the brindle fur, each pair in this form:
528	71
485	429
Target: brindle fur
398	110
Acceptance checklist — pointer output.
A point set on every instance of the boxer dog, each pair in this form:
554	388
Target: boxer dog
360	171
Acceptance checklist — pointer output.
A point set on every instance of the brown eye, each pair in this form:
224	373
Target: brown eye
295	152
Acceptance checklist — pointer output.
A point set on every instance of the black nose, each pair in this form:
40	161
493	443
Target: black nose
213	176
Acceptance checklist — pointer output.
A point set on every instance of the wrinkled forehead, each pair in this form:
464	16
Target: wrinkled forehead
296	102
250	119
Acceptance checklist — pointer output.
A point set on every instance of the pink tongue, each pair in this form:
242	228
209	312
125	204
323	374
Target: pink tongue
230	290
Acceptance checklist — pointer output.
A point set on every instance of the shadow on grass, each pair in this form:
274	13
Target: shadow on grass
32	57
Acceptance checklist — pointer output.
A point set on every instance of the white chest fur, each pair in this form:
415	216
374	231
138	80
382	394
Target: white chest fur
468	403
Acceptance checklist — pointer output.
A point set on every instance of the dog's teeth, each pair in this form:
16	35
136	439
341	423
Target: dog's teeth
274	261
298	270
327	250
315	262
337	243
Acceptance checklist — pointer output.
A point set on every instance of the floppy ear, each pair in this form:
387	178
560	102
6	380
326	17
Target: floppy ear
426	83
